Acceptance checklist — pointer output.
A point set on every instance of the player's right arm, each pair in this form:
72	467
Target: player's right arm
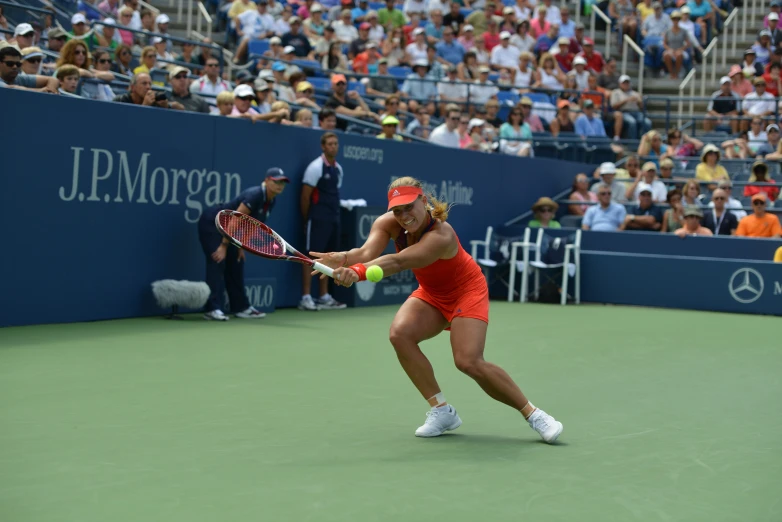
383	229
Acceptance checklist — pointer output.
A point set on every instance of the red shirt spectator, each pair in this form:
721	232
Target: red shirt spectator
491	38
565	60
594	59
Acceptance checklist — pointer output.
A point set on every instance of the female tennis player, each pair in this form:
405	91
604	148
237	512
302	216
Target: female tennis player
452	294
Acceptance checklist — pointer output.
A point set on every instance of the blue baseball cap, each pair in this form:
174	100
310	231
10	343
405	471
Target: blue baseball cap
278	66
276	174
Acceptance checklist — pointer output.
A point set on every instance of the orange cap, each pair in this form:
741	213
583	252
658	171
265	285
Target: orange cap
562	104
336	78
403	196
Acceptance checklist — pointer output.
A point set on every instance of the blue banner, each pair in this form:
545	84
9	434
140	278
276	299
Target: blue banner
108	202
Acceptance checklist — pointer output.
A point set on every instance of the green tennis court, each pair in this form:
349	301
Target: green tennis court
669	415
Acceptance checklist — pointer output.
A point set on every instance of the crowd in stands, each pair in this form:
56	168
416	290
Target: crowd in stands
481	75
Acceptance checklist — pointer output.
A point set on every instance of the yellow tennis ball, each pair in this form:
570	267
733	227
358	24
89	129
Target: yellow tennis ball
374	273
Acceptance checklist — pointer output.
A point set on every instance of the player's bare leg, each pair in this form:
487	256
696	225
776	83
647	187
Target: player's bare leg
468	340
415	322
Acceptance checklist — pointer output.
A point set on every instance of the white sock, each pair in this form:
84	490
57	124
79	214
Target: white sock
306	297
325	296
437	401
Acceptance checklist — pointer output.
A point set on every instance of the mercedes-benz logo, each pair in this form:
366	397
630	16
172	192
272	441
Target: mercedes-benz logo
746	285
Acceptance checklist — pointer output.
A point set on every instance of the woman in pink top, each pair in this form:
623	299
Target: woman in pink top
581	193
539	26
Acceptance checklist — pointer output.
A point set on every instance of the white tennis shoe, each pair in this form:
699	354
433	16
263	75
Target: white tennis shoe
251	313
308	304
215	315
438	421
547	426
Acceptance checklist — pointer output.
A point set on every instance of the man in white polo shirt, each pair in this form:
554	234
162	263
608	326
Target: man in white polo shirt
446	134
504	56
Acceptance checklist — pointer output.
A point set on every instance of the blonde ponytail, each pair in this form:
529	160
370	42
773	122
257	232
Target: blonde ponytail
438	208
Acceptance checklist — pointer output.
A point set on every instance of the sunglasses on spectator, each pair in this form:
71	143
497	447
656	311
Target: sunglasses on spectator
718	198
247	98
516	113
211	65
12	63
759	203
104	60
455	118
546	210
341	83
79	51
308	91
149	56
34	60
178	76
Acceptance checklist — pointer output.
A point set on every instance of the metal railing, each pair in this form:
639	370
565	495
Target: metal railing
729	22
628	42
682	86
710	50
597	12
155	10
748	12
203	16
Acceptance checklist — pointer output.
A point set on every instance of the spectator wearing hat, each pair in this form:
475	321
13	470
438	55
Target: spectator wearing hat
24	35
579	73
766	143
210	84
676	43
347	103
692	224
79	30
760	175
564	57
693	31
446	134
224	261
314	27
31	60
760	223
297	39
305	95
723	109
594	60
390	17
482	89
759	103
244	97
709	168
739	84
375	31
647	180
161	22
162	55
344	29
733	204
264	96
751	62
718	219
588	123
179	79
646	216
772	19
763	47
774	7
607	215
628	116
504	55
416	50
533	120
544	210
419	88
389	124
607	173
474	138
110	34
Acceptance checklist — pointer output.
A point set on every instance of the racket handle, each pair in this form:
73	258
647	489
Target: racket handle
323	269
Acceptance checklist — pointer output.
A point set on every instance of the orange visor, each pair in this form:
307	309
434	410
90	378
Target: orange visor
403	196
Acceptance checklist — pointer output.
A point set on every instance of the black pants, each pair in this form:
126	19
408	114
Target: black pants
225	276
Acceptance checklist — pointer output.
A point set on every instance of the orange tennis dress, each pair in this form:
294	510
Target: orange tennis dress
456	286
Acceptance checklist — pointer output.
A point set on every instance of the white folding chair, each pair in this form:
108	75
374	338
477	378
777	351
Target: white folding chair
485	261
571	266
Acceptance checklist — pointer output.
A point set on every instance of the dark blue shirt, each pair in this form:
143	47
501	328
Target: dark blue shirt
299	42
327	180
254	198
653	210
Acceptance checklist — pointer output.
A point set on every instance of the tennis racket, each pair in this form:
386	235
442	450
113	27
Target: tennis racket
255	237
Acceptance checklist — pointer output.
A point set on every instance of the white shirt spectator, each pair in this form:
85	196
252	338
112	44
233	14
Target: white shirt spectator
659	191
281	27
522	13
442	136
505	56
204	85
523	79
480	93
416	53
377	33
415	6
345	33
582	80
553	16
437	4
657	26
254	23
527	43
754	104
735	207
451	90
754	141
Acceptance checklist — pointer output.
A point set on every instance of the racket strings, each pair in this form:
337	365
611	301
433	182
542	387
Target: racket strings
249	234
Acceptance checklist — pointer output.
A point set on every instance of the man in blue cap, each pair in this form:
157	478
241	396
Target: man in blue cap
224	261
